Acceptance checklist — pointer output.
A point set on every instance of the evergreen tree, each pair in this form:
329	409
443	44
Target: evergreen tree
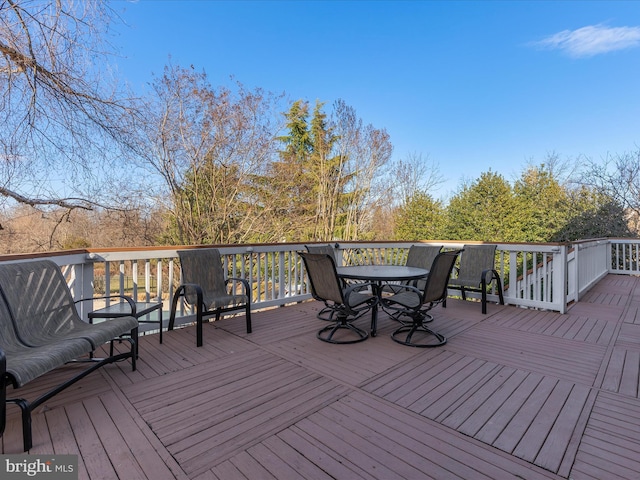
542	204
482	211
593	215
419	218
327	172
292	191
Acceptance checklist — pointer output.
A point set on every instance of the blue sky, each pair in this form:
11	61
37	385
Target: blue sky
473	86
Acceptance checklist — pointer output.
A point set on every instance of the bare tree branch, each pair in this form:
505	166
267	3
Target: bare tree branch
68	203
62	114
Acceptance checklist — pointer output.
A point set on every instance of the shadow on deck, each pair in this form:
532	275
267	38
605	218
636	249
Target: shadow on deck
514	394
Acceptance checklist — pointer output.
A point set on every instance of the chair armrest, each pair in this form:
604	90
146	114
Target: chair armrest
455	270
244	282
402	296
489	275
180	292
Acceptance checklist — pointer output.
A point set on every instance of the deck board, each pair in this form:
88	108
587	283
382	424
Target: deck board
515	393
610	447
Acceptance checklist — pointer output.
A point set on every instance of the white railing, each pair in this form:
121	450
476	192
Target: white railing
543	276
589	262
274	272
527	270
625	256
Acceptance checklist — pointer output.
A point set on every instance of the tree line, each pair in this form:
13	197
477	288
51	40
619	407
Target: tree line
83	162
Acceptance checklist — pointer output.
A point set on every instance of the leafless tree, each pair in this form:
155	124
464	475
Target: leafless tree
64	122
365	151
416	173
618	177
207	145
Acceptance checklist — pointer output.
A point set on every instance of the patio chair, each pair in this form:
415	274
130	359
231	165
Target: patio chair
326	313
477	272
416	303
206	288
347	303
420	256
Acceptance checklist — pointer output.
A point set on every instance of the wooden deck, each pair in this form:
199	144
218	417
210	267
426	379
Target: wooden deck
514	394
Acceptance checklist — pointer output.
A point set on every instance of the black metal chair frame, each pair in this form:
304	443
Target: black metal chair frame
416	303
202	310
338	300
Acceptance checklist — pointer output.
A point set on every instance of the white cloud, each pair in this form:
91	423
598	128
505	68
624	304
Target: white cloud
592	40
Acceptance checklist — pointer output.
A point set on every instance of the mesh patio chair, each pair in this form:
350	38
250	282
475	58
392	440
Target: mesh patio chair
421	256
206	288
347	303
477	272
415	303
326	313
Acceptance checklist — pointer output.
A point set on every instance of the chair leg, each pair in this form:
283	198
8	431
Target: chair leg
174	307
484	297
326	334
484	284
25	409
499	285
417	327
135	347
326	314
248	318
199	320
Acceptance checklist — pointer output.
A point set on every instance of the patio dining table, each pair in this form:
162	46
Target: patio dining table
379	274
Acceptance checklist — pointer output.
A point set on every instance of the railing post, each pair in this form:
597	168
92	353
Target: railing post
282	277
559	294
512	291
610	248
82	287
572	264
